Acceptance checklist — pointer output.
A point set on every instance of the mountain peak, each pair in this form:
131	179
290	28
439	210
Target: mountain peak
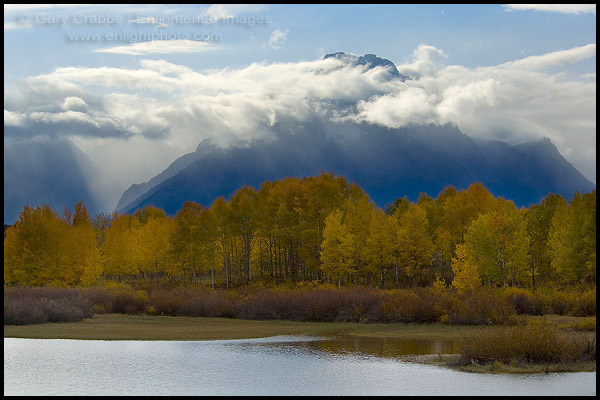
387	163
368	60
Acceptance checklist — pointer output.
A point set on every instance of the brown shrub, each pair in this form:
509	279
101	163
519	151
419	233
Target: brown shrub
482	307
536	342
166	301
351	305
586	305
36	305
204	303
522	300
118	299
399	306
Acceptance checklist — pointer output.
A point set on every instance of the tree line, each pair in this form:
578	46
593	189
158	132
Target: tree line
313	229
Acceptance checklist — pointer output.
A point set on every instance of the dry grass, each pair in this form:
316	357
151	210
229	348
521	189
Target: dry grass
535	342
143	327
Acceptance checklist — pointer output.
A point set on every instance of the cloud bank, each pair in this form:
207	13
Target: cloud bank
136	121
159	47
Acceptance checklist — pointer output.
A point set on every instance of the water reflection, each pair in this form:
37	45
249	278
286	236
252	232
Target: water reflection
382	347
354	346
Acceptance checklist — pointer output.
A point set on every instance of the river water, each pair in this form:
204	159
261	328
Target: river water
283	365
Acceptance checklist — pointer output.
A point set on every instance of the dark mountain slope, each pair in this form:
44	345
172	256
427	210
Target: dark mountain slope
386	163
52	172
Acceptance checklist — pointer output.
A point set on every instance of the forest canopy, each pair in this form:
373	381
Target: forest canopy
314	229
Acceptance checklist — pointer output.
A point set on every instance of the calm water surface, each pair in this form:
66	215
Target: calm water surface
283	365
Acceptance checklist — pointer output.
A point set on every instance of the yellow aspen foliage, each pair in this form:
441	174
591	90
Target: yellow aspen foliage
572	239
439	283
381	244
497	242
337	253
415	247
120	247
32	248
154	244
81	257
458	211
357	220
465	272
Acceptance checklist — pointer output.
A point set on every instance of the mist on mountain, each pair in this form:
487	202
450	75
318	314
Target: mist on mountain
387	163
393	130
54	172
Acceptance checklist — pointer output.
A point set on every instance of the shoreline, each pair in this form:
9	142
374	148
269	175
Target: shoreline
145	327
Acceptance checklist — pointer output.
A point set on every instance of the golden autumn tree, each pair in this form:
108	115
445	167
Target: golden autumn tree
207	235
539	221
153	241
465	272
81	255
243	212
415	247
357	220
337	252
121	257
288	229
445	233
184	248
381	244
33	248
321	195
497	242
266	228
572	238
220	211
458	210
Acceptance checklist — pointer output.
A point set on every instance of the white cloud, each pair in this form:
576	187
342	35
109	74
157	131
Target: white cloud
166	109
74	103
466	99
13	118
514	102
278	38
159	47
68	116
554	59
76	77
427	60
560	8
410	106
164	67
